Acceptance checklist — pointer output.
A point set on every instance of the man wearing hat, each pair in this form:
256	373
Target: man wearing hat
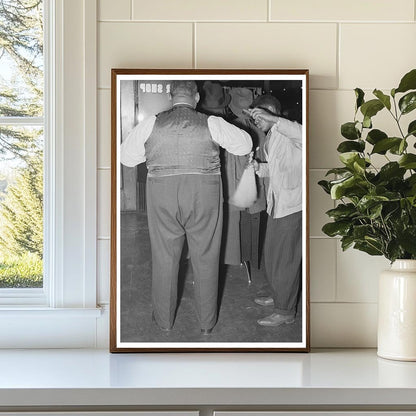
283	245
215	99
184	197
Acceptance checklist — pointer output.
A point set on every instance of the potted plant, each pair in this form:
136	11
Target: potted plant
376	206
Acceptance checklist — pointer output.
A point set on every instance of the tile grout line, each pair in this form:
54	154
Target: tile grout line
255	21
336	271
338	67
352	302
194	63
131	10
269	11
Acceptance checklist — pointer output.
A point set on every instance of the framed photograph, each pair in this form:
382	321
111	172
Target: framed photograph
209	211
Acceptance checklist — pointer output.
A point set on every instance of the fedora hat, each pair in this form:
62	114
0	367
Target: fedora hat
214	97
241	99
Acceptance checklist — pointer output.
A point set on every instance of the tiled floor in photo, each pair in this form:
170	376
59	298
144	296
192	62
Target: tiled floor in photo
237	311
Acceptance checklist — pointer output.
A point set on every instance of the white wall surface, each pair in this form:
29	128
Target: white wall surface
345	44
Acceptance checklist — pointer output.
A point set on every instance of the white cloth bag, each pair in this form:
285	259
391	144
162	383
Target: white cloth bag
246	191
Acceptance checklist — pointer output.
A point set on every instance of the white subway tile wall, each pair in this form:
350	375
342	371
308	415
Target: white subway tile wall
339	325
270	45
201	10
142	45
345	44
114	10
103	271
104	202
385	50
352	10
323	269
104	128
328	109
357	275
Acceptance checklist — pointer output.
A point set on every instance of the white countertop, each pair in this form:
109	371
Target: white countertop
96	377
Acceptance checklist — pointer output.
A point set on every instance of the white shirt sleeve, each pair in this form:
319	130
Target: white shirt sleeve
132	150
230	137
290	129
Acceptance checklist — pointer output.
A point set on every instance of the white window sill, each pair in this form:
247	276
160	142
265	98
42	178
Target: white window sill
36	312
40	327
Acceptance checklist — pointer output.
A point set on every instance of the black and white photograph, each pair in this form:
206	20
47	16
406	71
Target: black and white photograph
209	213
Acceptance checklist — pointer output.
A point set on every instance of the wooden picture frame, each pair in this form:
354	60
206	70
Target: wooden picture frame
138	306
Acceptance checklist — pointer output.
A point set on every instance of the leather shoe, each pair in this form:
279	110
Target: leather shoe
160	327
206	331
275	319
264	301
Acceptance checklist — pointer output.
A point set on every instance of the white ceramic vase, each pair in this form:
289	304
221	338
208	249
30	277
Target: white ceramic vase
397	312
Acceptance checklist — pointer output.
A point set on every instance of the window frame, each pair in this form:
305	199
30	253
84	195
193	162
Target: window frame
67	303
38	296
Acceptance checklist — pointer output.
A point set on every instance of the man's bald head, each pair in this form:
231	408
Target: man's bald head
184	92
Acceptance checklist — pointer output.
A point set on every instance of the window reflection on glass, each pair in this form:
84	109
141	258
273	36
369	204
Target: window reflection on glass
21	143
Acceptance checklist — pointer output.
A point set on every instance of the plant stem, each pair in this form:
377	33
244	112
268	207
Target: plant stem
397	118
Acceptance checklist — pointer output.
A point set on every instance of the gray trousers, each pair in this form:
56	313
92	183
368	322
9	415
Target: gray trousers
283	260
179	207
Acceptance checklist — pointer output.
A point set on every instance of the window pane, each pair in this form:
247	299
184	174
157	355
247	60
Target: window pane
21	145
21	58
21	208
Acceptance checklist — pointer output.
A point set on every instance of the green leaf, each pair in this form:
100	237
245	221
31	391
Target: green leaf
391	212
393	250
367	122
333	229
346	242
385	99
391	170
361	231
408	102
383	145
412	200
341	179
350	146
359	165
338	171
349	131
338	189
411	180
369	201
359	95
407	240
408	82
408	161
375	211
400	148
374	242
348	158
342	211
371	108
411	130
368	248
374	136
353	188
354	161
325	186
